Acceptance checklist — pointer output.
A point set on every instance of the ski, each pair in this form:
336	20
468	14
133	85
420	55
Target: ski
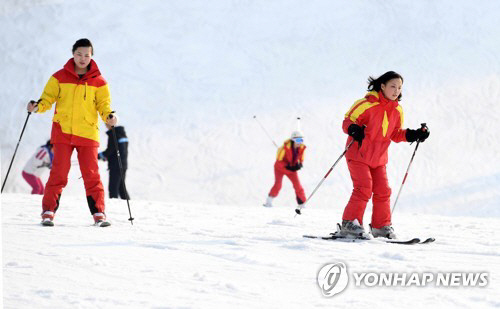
412	241
337	237
428	240
333	237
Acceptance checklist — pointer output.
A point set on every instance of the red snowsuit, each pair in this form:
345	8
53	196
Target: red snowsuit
79	101
291	156
367	164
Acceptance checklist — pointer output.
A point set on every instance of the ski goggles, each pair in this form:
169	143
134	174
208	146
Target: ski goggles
298	140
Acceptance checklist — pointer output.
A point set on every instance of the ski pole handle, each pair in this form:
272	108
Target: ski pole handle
35	106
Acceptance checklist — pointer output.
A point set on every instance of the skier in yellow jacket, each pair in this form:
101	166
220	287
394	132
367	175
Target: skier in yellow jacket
80	94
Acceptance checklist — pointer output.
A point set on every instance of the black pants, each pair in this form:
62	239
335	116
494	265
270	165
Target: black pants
116	189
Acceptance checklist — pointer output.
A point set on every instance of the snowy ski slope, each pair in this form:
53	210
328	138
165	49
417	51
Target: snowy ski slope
210	256
186	79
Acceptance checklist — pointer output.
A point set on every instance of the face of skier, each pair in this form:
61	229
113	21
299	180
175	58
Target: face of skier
392	89
298	141
82	56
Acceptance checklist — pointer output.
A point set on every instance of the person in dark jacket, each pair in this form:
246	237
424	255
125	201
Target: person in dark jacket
116	188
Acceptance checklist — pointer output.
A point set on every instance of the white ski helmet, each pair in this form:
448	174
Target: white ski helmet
296	134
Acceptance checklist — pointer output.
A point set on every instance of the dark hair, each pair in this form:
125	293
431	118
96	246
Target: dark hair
83	43
375	84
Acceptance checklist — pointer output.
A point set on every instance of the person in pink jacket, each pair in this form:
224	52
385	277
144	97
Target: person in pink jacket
36	165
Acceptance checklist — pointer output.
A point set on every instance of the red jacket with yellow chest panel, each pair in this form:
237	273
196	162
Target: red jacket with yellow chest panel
383	119
288	155
79	100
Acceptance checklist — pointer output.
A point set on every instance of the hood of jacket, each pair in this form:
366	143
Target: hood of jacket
93	70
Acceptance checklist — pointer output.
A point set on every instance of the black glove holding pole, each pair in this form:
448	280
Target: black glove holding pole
357	132
418	135
294	168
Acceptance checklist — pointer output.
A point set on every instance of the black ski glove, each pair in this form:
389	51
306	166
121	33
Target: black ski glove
294	168
419	135
357	132
100	156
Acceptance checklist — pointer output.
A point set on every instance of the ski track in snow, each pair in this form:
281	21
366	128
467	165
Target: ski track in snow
199	255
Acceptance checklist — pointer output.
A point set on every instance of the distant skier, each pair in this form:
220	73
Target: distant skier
289	160
116	189
373	122
81	95
36	165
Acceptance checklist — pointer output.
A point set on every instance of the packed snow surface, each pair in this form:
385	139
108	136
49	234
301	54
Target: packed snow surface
211	256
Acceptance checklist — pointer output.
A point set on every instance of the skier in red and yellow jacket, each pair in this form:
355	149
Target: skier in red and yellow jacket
289	160
373	122
80	94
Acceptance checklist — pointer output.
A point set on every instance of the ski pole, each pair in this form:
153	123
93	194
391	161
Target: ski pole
255	117
121	171
298	123
15	151
424	126
298	210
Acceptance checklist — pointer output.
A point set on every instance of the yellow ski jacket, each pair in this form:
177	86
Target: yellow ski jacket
78	102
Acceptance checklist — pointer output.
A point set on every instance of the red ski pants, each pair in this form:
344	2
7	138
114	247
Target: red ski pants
279	172
35	183
87	158
368	181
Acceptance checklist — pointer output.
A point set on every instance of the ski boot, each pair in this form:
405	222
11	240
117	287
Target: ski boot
269	202
47	218
352	228
102	223
385	231
100	220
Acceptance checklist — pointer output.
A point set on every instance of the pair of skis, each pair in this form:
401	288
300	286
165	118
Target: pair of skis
98	224
336	236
